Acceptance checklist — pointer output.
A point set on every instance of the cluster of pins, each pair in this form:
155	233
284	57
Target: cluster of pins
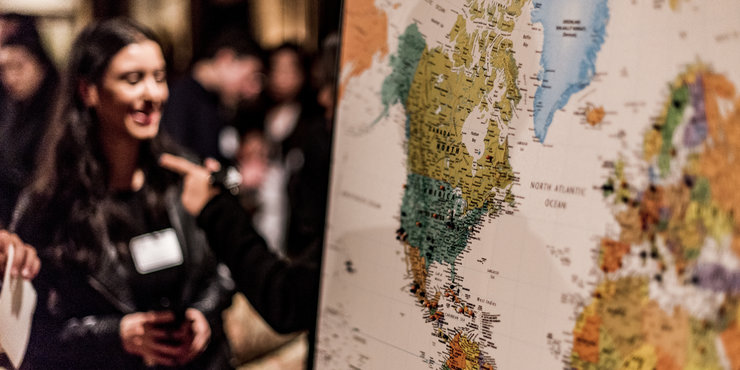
464	308
432	306
437	316
401	234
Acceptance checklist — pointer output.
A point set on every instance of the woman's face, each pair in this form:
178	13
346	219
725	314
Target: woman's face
286	77
132	92
21	74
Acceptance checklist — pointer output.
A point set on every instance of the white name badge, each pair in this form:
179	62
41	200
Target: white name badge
156	251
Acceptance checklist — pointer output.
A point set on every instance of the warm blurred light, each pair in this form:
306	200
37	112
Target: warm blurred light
171	20
58	21
279	21
40	7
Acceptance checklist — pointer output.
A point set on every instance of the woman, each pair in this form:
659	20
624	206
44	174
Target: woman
29	80
128	281
288	128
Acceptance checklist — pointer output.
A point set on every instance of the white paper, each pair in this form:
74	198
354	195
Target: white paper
17	304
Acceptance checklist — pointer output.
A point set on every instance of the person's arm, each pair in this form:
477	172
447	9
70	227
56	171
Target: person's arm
286	295
25	263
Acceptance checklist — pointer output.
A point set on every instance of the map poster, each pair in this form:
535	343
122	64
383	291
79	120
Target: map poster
535	184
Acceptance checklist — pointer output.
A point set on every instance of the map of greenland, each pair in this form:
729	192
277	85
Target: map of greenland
574	32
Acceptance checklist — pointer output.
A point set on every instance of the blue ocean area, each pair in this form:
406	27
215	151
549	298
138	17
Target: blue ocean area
574	31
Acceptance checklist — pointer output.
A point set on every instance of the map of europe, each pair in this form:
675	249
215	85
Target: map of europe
534	184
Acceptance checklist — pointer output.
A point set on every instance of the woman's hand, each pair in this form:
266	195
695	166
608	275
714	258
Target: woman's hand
197	335
197	189
25	260
143	336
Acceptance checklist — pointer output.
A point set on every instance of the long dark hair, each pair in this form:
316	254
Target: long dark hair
71	187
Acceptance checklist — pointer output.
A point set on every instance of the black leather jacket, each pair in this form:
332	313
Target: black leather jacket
78	314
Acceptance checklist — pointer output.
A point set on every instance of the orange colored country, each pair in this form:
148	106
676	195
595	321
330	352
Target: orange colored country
365	33
718	161
594	115
612	253
586	341
666	362
731	340
457	354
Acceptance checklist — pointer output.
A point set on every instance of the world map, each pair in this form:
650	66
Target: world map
534	184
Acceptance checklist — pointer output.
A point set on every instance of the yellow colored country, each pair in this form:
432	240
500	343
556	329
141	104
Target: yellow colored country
445	91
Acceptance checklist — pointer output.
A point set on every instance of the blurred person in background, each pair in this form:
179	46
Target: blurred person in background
29	81
286	91
202	106
324	75
297	130
9	24
253	161
305	192
128	280
308	183
290	104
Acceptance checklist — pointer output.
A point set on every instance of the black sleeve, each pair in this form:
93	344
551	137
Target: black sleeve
286	295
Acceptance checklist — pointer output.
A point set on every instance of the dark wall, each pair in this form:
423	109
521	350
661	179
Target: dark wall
329	12
212	18
110	8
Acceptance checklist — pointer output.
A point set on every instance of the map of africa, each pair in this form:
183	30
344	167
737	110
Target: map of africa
534	184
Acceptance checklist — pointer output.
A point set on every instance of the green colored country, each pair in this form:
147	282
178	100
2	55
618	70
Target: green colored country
674	116
434	217
396	86
701	191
